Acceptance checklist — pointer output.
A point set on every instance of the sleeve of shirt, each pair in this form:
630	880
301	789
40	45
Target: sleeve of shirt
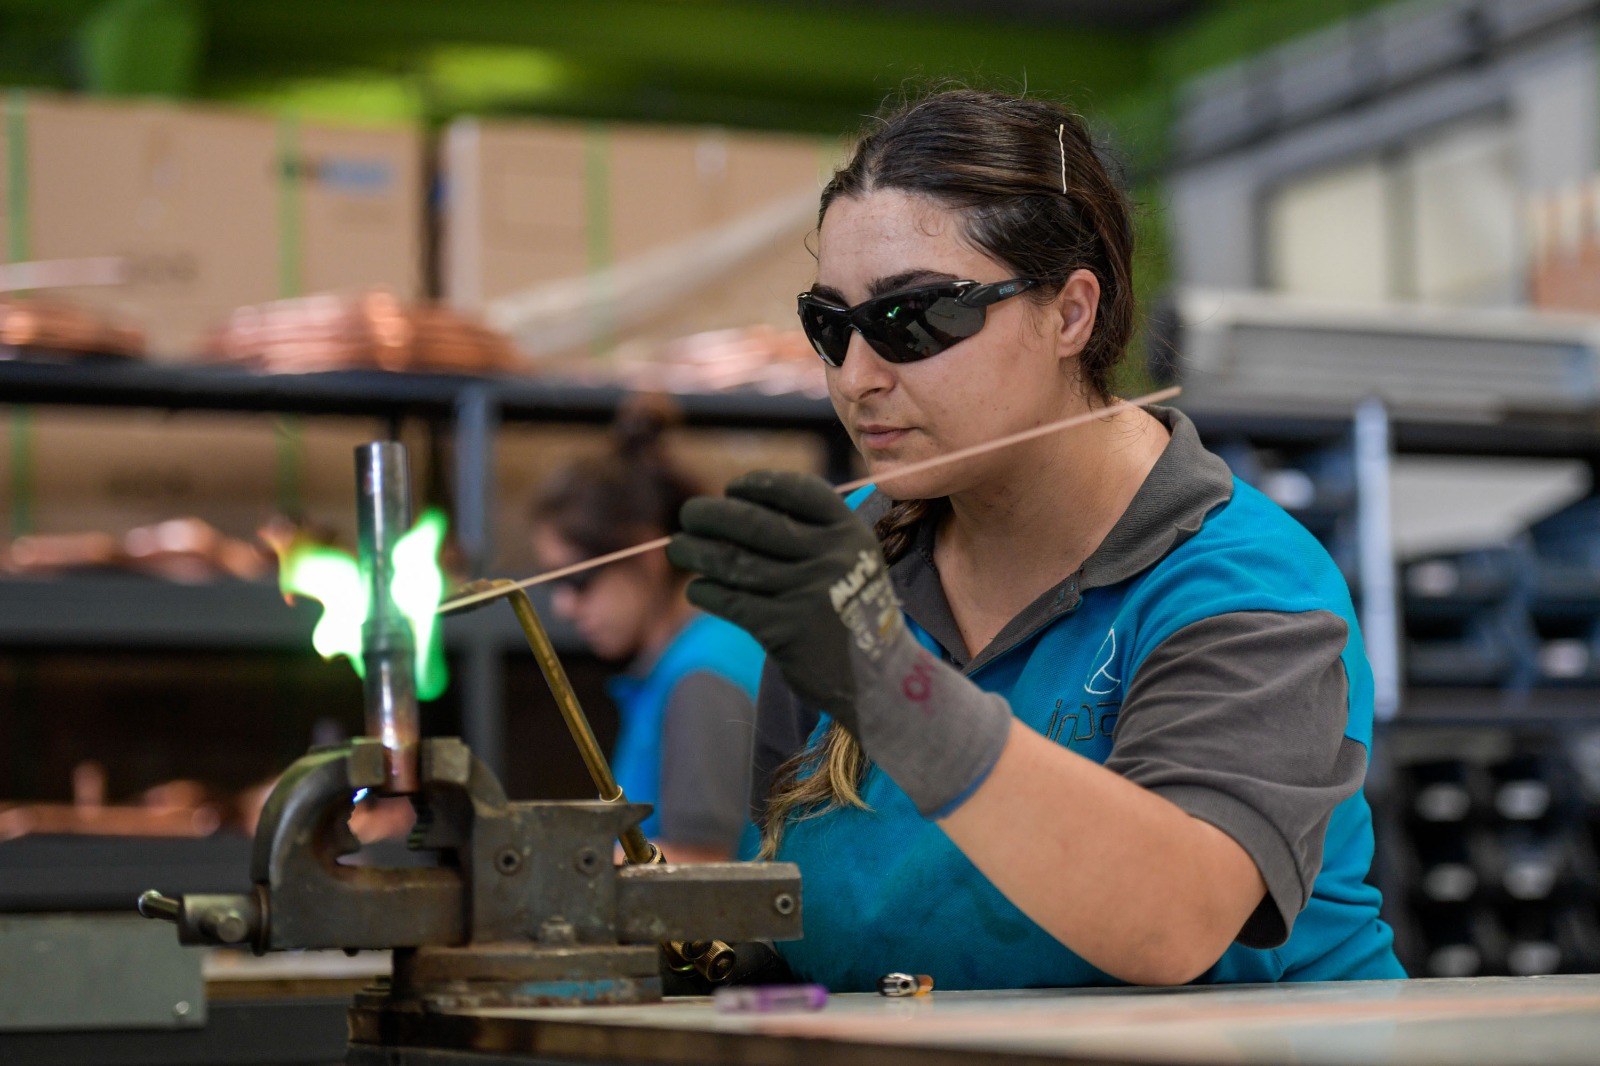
1239	719
705	761
783	725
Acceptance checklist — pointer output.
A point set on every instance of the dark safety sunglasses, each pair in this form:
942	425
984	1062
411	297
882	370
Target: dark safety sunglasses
907	325
580	582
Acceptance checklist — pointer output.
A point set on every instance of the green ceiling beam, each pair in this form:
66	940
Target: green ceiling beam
739	40
142	47
772	64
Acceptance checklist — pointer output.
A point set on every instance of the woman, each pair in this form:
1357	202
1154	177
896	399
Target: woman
686	702
1091	710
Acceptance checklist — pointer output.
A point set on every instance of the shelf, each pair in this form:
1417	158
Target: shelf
130	611
218	388
531	399
372	392
1552	707
1545	436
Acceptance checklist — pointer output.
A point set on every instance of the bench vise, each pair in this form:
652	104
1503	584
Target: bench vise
525	907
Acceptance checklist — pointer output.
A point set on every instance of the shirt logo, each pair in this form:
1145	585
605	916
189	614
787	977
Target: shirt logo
1083	724
1102	682
1091	718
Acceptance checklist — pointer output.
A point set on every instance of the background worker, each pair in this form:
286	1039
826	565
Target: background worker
1086	709
686	698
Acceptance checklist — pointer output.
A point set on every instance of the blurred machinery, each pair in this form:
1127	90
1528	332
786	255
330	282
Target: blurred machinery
1260	351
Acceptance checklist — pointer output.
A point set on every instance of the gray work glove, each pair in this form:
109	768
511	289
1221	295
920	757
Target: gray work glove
784	558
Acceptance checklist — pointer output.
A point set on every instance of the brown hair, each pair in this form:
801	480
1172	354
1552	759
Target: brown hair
1030	190
632	491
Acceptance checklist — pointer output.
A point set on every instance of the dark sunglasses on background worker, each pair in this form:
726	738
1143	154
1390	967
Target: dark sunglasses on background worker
579	583
908	325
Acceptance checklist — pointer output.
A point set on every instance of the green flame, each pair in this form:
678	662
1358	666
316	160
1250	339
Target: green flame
417	590
333	578
330	577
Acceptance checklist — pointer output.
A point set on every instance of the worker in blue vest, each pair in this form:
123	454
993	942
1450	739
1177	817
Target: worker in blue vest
686	698
1080	711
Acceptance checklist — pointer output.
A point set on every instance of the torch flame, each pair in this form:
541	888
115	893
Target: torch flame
333	578
417	590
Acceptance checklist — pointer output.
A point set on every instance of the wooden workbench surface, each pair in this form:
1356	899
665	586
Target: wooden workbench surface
1539	1021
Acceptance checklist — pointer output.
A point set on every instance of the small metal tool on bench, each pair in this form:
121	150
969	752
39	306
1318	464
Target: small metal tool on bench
525	906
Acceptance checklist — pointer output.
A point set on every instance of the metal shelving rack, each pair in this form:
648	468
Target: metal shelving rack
1543	436
132	612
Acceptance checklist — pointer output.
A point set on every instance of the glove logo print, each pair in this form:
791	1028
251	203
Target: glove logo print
866	604
851	583
1102	682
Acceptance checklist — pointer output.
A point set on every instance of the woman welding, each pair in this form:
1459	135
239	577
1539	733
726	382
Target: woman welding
1080	711
686	700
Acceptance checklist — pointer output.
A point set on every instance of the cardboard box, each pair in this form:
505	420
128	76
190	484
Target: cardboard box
209	209
516	208
528	204
363	209
85	469
727	177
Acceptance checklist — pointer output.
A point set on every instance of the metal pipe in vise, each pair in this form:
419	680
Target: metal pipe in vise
388	643
713	958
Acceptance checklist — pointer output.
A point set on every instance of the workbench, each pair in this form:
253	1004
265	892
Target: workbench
1538	1021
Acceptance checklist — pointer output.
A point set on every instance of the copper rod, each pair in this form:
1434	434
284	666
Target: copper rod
956	456
713	958
1006	441
635	845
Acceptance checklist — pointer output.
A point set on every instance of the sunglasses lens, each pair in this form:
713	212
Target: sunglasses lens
827	328
917	325
576	583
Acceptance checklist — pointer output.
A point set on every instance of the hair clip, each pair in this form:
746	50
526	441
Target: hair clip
1061	140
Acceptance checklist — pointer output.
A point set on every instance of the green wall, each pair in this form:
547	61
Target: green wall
761	63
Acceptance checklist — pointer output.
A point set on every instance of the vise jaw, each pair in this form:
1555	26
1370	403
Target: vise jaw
524	905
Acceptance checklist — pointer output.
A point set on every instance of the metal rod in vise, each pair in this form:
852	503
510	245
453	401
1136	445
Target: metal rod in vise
388	643
635	845
713	958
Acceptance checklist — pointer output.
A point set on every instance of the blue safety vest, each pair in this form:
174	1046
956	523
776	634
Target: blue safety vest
706	643
885	889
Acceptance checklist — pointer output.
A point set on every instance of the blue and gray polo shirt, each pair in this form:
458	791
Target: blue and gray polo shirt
1208	651
685	715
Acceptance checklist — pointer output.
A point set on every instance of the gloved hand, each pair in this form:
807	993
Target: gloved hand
784	558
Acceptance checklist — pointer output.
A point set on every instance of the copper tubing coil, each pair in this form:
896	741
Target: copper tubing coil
63	327
373	330
180	549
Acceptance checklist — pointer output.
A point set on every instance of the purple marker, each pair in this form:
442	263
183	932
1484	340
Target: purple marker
767	999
